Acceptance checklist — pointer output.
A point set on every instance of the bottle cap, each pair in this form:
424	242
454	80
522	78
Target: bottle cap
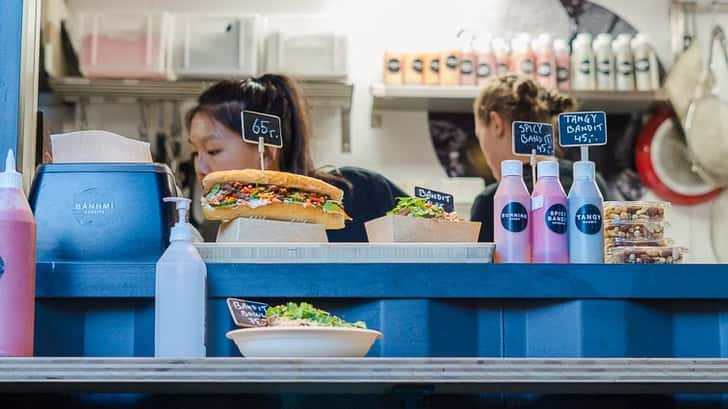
511	168
182	230
584	169
548	168
11	178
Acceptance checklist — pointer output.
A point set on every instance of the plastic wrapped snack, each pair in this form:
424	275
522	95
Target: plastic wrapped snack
634	230
646	255
622	242
635	211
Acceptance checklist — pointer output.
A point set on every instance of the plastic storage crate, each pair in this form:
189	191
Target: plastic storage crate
135	46
215	46
306	48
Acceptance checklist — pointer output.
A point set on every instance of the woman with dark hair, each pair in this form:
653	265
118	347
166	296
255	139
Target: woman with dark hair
215	129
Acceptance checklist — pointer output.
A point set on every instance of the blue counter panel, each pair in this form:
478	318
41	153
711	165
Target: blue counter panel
11	23
458	281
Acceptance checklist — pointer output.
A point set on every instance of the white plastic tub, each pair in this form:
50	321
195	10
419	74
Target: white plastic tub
135	46
215	46
306	48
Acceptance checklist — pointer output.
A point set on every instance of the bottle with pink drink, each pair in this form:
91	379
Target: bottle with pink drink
512	206
545	60
549	216
563	64
17	265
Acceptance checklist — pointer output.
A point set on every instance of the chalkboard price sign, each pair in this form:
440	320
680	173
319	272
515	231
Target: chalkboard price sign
582	128
530	137
444	200
247	314
257	125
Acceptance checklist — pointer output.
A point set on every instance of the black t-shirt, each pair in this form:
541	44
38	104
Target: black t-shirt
482	210
371	196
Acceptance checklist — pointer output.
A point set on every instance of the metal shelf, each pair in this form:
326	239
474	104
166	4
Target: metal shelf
460	99
366	375
321	94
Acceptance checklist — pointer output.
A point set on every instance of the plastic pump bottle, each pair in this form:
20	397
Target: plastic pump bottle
586	234
17	265
549	216
512	208
181	293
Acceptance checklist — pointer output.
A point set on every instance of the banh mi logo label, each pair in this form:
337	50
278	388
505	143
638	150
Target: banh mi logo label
393	65
435	65
2	267
588	219
544	69
604	67
585	67
527	66
514	217
93	207
562	74
556	218
466	67
642	65
452	62
483	70
417	65
625	68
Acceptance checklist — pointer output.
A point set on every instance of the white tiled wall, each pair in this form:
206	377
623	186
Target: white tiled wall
401	148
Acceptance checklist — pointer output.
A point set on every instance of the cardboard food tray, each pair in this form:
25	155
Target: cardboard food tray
406	229
248	230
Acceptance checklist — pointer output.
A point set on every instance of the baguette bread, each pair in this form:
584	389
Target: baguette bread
271	177
288	212
293	212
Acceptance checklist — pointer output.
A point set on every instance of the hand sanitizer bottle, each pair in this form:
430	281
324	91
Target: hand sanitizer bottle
181	293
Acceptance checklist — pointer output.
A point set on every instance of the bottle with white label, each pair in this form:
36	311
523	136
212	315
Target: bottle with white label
467	59
624	63
393	73
180	293
645	64
486	60
545	61
512	208
582	63
502	53
450	68
522	57
586	234
563	64
604	59
549	215
414	67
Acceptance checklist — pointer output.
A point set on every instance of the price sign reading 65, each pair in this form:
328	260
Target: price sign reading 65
257	125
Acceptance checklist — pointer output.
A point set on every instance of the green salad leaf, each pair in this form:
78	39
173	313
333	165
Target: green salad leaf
305	311
416	207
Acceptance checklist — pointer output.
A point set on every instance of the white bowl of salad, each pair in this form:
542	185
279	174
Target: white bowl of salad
301	330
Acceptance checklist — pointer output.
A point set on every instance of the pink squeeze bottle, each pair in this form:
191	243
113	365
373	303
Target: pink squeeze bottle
17	265
549	216
512	207
563	64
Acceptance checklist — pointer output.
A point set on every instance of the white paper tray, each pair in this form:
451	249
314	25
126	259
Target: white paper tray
343	253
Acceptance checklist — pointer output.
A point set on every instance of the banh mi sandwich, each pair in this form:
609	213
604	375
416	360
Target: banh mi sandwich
272	195
421	208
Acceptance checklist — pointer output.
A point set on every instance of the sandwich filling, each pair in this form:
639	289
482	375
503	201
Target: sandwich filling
234	194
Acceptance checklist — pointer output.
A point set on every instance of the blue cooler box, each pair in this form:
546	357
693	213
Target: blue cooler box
90	212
